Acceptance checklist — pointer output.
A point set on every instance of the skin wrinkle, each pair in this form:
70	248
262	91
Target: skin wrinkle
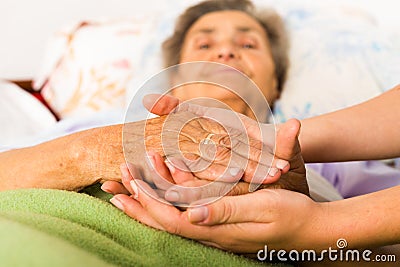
85	163
256	63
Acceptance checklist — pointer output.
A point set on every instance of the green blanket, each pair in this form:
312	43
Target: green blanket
40	227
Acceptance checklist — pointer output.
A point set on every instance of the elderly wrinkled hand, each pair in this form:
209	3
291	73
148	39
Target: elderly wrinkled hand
201	142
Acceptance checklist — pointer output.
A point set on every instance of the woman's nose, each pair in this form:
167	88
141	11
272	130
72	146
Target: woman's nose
226	52
226	56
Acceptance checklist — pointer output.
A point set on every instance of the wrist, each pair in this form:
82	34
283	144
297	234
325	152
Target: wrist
317	229
364	221
96	154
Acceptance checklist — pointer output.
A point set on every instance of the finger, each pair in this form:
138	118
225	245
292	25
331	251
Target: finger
133	209
247	147
182	174
224	133
160	104
286	140
282	165
263	174
179	171
217	172
129	174
126	172
169	217
176	222
215	154
236	209
114	188
195	190
226	117
159	172
213	132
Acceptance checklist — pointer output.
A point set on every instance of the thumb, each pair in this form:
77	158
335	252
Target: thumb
233	209
287	143
160	104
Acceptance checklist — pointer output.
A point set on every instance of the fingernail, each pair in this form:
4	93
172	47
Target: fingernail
135	189
172	196
151	161
105	189
272	171
232	175
234	171
198	214
124	171
170	166
117	203
281	164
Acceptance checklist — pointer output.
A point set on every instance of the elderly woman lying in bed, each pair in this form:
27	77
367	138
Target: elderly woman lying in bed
229	33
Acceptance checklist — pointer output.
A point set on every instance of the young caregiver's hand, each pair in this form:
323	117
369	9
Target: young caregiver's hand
280	219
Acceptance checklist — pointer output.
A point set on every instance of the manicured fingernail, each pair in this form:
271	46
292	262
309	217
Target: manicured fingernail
135	189
272	171
172	196
198	214
170	166
117	203
281	164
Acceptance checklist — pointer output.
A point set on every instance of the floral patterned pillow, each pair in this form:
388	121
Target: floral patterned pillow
88	66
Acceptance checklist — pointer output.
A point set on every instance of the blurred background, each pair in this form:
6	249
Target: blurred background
25	26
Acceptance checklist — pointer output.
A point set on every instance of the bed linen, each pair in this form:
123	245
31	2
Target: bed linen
44	227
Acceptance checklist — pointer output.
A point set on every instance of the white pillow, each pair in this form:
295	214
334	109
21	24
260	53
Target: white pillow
22	115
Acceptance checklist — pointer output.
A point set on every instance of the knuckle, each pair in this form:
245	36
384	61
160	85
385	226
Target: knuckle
225	140
227	211
172	228
222	152
274	203
257	155
238	189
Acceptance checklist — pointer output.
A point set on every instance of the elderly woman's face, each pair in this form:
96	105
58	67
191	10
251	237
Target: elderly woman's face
235	39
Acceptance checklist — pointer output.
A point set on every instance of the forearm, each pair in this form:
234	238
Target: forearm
47	165
369	130
70	162
366	221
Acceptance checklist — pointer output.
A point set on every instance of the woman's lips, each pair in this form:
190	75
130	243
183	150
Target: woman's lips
221	69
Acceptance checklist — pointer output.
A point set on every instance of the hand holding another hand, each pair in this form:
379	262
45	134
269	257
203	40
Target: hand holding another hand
245	223
287	144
